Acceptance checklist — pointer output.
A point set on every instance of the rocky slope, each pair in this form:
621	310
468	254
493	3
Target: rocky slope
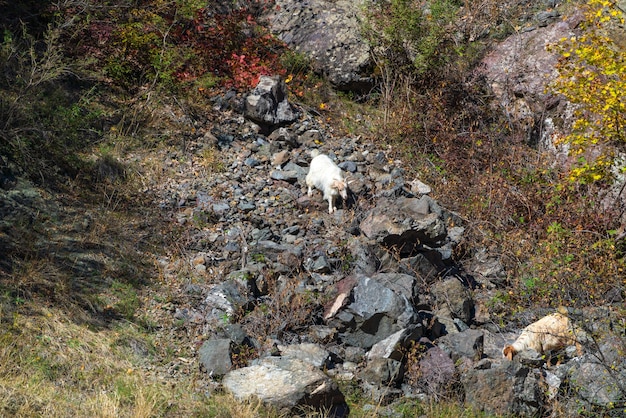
282	300
272	296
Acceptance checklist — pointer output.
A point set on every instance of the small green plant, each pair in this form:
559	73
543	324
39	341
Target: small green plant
556	230
126	300
258	258
531	283
347	263
206	82
226	318
499	299
295	63
211	160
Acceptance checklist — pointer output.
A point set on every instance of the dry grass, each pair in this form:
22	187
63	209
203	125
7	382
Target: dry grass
56	368
52	367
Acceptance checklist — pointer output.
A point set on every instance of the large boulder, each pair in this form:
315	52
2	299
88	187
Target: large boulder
598	379
268	106
519	69
215	356
414	226
328	32
376	307
505	388
453	296
287	384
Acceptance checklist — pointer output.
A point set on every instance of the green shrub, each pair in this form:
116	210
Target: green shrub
295	63
408	36
47	116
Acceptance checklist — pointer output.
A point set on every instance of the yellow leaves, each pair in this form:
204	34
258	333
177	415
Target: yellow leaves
592	75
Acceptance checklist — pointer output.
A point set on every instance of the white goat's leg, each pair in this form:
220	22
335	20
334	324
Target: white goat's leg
309	192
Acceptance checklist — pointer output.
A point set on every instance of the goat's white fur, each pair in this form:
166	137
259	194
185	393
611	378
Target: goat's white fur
551	332
326	176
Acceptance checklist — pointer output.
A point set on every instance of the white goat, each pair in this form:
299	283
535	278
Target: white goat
326	176
551	332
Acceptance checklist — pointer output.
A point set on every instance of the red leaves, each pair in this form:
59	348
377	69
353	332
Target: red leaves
135	45
234	46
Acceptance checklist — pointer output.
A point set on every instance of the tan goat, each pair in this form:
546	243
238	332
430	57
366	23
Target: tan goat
552	332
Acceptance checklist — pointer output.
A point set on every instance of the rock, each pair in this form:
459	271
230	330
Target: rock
382	372
252	162
529	393
269	250
454	295
220	207
489	390
267	105
312	354
188	316
284	175
311	138
364	258
236	334
406	224
418	187
518	70
468	343
376	311
447	323
437	373
343	288
280	158
402	284
426	265
329	33
246	206
348	166
598	379
227	298
285	138
215	356
508	388
318	265
487	269
286	384
494	342
544	18
391	347
322	334
300	171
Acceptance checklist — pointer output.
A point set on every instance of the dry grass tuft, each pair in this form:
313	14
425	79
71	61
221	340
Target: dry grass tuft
56	368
